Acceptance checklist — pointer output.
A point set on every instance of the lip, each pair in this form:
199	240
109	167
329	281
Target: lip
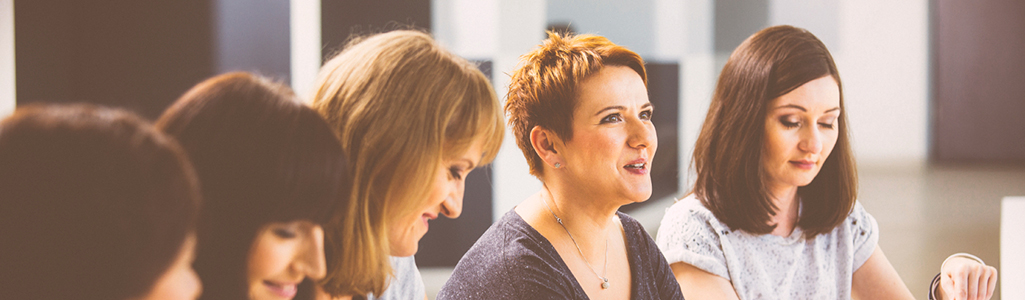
642	171
803	164
427	217
283	290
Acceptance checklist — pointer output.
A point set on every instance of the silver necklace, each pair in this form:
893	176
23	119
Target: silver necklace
604	279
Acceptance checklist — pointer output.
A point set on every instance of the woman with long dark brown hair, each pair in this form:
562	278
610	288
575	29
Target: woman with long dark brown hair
773	214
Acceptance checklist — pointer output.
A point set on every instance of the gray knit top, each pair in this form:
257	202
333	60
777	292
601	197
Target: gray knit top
765	266
513	261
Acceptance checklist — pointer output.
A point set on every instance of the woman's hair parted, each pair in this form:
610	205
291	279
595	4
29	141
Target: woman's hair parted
400	104
96	203
731	181
261	156
542	91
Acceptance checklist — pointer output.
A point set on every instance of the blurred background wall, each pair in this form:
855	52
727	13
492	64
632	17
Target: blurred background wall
928	84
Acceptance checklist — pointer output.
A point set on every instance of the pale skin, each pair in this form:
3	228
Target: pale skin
800	132
604	166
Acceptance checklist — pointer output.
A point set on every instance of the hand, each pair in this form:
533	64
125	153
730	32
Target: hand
966	279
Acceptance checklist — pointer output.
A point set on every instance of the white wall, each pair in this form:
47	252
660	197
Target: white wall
883	59
7	71
881	49
630	24
304	38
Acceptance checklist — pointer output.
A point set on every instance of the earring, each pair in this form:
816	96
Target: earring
557	165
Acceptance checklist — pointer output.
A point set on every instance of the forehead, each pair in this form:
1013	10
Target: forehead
610	86
817	95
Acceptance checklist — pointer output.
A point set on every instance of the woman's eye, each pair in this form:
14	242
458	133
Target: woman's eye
613	118
789	124
284	233
646	115
827	125
456	174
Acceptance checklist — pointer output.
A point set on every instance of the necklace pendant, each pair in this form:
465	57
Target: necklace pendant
605	283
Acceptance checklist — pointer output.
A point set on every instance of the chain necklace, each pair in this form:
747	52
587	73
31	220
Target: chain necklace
604	279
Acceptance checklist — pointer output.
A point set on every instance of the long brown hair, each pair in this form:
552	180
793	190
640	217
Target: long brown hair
400	104
727	156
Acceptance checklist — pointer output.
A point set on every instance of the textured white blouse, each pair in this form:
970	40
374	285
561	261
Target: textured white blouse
764	266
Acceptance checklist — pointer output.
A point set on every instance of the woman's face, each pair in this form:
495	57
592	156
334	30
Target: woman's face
613	139
283	254
446	198
180	281
800	132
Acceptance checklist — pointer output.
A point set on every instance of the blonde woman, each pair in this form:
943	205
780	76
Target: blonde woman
414	120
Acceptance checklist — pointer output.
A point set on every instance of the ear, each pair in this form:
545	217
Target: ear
546	143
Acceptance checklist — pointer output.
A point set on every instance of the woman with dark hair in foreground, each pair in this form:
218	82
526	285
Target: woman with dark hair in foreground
271	170
773	214
95	204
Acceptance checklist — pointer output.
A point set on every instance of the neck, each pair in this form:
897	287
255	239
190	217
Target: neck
577	214
787	209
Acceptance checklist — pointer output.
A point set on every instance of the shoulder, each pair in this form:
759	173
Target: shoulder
862	232
688	216
407	283
510	260
690	233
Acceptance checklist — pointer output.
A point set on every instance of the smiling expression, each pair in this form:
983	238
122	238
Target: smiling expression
613	140
283	254
445	199
800	132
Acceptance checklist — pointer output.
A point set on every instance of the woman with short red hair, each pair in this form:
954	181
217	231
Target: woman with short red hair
578	106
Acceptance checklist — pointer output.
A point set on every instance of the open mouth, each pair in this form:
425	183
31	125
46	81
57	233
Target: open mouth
640	168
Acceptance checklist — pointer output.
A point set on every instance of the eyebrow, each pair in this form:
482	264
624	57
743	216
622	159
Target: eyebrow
620	107
803	109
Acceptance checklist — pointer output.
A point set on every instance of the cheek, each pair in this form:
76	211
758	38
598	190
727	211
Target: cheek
268	258
776	146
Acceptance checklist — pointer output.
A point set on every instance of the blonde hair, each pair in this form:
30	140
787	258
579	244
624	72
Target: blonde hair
400	104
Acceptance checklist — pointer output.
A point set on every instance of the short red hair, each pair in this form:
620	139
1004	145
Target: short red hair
543	88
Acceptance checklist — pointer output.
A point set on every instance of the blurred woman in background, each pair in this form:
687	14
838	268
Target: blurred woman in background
95	204
414	120
272	171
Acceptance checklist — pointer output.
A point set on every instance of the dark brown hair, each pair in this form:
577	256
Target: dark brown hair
727	156
543	88
94	203
261	157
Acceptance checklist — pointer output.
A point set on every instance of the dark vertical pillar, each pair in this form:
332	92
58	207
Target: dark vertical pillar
139	55
343	18
979	71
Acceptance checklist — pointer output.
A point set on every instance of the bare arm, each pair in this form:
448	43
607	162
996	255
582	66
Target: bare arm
876	279
698	284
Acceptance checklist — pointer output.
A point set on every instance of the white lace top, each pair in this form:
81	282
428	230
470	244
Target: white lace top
767	266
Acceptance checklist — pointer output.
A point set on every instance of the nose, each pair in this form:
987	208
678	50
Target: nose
642	135
310	260
452	207
811	140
